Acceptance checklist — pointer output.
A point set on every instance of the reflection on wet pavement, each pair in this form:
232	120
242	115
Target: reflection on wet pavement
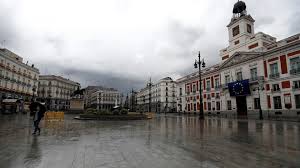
165	141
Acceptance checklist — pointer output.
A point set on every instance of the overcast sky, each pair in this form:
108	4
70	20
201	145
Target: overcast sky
122	43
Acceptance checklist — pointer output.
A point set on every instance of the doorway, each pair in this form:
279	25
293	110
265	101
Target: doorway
241	104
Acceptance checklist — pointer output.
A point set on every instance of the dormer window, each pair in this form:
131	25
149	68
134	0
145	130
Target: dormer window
236	30
249	29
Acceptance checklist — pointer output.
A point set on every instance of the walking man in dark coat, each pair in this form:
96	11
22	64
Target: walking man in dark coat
37	111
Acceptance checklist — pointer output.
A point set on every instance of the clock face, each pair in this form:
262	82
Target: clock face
238	88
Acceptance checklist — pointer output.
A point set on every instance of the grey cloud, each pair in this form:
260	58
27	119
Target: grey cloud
263	21
295	23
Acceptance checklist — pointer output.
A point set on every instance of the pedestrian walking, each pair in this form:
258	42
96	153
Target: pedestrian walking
37	110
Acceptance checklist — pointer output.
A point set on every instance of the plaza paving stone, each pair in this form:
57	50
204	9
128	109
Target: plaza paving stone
164	142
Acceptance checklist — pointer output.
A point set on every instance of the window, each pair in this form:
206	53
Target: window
194	88
236	30
256	103
195	107
218	105
253	72
166	88
167	84
217	95
249	29
228	104
239	76
274	70
180	91
297	100
275	87
295	65
227	79
166	99
217	83
277	102
209	106
166	93
296	84
208	85
208	96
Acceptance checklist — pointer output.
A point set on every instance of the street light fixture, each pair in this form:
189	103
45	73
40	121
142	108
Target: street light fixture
33	91
259	88
200	64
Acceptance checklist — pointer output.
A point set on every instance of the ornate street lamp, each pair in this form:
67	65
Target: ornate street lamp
33	91
198	64
259	88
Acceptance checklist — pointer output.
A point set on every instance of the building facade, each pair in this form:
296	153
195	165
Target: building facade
57	91
159	97
256	71
17	79
101	98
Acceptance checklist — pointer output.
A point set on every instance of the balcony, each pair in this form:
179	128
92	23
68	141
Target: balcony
217	87
295	71
256	79
274	75
224	86
296	87
7	78
13	80
275	90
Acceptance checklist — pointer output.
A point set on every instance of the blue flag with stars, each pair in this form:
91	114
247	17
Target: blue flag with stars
239	88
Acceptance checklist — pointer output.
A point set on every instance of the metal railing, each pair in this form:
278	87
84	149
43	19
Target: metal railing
256	78
274	75
275	90
295	71
296	87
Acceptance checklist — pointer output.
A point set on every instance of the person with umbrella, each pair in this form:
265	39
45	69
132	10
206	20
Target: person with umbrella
37	110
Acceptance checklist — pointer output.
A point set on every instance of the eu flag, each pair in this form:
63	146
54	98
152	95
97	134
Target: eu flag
239	88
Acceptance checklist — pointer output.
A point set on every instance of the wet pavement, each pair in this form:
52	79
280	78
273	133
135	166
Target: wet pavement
163	142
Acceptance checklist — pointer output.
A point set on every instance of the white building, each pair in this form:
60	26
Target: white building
17	79
57	91
105	98
255	70
162	96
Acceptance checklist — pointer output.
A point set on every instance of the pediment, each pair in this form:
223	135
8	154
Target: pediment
240	57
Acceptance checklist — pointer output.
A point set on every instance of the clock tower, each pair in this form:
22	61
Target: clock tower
241	26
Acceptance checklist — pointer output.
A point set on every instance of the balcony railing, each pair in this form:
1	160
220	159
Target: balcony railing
274	75
217	87
275	90
296	87
295	71
224	86
256	79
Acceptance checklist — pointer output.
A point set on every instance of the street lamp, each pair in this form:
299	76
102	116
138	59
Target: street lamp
198	64
33	91
259	88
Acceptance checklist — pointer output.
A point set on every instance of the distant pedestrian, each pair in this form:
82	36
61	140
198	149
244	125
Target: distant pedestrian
37	110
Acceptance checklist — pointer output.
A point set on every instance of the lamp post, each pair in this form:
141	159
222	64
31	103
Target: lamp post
259	88
150	86
33	91
198	64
